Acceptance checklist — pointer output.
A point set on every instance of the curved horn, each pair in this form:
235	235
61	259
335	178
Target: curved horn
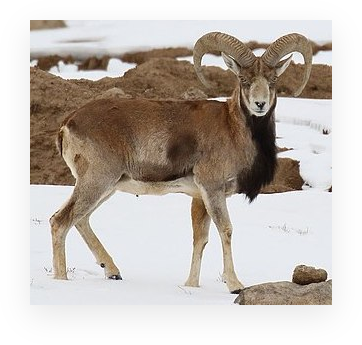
288	44
217	41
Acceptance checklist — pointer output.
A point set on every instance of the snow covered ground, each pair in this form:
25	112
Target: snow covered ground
150	238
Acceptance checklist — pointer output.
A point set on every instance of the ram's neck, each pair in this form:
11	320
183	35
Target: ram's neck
261	132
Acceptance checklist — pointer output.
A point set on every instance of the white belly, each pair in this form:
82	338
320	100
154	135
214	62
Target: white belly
184	185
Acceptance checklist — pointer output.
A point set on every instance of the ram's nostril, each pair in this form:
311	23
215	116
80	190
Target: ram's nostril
260	105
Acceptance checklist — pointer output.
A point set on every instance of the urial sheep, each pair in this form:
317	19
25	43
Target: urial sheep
208	150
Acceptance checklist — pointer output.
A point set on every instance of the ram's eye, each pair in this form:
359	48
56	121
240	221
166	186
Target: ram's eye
244	81
273	80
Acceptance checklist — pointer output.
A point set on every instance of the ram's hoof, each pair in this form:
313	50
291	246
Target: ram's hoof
115	277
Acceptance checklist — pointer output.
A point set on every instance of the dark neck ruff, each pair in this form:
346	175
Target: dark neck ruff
263	169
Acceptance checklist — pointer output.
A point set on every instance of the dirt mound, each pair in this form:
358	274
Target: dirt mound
46	24
143	56
321	47
319	84
46	62
167	77
52	98
48	105
92	63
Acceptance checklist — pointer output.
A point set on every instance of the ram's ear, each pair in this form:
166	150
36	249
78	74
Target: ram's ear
282	65
231	64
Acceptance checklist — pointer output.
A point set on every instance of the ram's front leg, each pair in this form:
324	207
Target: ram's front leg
215	203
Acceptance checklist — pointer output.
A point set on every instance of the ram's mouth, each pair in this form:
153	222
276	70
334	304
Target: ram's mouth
260	112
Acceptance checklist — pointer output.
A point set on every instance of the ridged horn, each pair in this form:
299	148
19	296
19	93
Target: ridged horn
288	44
218	41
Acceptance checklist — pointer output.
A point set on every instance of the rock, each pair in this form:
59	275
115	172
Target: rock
46	24
113	92
304	275
286	293
287	177
282	149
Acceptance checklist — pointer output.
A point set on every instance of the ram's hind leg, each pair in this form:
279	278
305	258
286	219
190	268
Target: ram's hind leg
85	197
200	226
96	247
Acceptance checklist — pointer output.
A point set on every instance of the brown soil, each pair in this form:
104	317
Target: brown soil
319	85
52	98
46	62
141	57
46	24
95	63
321	47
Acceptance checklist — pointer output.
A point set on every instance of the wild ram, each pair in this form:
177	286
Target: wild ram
208	150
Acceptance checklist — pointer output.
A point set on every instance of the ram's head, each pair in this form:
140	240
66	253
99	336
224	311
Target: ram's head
257	75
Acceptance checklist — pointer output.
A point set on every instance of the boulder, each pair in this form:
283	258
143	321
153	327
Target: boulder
304	275
286	293
287	177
